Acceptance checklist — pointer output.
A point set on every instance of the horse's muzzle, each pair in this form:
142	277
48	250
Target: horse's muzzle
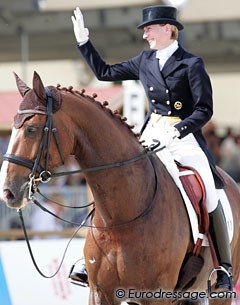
14	196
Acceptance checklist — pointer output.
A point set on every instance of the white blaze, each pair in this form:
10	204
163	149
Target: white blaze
4	168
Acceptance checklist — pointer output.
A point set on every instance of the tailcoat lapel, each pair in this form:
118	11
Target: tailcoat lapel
154	68
173	62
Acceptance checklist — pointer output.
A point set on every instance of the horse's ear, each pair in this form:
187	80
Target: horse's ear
22	87
38	86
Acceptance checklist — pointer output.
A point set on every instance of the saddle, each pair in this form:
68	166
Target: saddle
195	189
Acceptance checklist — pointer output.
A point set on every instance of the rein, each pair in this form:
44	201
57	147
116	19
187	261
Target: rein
44	175
143	213
64	253
83	224
152	149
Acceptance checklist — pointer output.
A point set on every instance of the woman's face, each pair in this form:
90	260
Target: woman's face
158	35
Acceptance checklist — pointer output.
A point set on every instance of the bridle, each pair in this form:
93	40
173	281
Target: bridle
38	173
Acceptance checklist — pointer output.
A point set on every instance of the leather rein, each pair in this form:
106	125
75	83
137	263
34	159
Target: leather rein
35	166
39	174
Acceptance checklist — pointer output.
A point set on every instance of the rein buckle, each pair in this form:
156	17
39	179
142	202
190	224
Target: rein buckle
31	186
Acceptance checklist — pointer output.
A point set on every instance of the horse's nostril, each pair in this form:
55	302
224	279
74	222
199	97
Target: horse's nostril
8	195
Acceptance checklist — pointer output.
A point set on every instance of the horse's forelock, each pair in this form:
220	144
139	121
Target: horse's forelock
32	102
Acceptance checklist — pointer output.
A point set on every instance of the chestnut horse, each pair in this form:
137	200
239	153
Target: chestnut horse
140	232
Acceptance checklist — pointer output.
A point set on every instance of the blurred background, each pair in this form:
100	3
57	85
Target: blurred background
37	35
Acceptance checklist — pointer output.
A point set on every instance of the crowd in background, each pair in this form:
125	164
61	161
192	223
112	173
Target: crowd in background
58	194
4	140
225	148
70	165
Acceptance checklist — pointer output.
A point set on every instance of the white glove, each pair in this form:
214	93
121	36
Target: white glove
171	134
81	33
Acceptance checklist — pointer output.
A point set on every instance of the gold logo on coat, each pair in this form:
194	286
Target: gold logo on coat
178	105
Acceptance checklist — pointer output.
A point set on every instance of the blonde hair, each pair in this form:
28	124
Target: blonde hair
174	32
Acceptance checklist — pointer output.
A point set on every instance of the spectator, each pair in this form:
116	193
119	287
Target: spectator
43	221
230	155
213	141
71	179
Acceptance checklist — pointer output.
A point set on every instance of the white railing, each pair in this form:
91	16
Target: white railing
70	195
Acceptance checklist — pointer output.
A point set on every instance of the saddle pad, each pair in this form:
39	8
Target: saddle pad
194	220
172	168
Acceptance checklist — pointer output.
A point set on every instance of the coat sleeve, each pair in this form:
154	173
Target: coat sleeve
127	70
201	91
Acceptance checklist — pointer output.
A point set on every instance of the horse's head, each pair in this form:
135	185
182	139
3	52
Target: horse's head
35	146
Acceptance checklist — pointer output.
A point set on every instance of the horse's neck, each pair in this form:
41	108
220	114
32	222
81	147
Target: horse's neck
101	139
100	136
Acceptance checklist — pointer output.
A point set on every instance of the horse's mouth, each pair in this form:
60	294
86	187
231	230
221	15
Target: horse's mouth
8	196
15	199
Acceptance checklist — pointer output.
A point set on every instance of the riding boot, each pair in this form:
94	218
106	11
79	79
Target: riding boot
219	234
80	276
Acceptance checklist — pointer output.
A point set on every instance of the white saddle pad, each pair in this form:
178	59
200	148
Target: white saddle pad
194	221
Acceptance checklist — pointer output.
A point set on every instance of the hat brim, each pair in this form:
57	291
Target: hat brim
161	21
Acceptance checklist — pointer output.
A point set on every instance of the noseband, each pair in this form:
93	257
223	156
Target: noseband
38	173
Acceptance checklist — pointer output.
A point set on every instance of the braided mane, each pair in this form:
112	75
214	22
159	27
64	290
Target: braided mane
114	113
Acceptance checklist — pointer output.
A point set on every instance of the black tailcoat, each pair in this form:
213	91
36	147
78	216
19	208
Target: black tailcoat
182	88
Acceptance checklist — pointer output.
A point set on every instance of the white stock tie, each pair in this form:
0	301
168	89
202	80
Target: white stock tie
161	61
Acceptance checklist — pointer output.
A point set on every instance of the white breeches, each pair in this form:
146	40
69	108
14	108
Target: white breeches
186	151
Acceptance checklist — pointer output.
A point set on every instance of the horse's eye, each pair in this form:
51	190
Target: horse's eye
31	130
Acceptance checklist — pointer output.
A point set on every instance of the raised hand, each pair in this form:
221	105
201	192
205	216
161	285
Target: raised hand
81	33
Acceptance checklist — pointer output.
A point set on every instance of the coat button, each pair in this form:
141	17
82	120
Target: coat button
178	105
153	101
183	127
169	112
155	111
167	91
168	102
151	88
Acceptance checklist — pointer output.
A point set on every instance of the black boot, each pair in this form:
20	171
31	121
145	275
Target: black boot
79	277
219	234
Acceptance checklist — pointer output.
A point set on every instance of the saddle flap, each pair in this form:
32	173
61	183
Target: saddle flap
195	189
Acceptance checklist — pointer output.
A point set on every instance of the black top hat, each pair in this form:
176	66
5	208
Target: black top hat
159	14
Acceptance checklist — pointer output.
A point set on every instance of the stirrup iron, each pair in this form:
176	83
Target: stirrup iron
74	277
220	268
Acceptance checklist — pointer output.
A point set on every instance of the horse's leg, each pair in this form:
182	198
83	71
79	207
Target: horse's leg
220	301
168	302
206	302
191	302
98	297
95	299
